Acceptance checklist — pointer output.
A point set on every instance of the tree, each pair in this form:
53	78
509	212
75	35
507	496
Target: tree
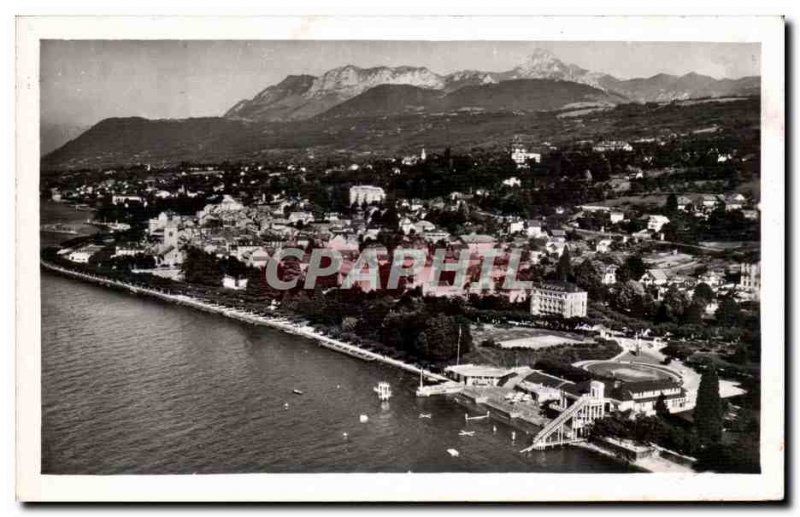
661	407
672	204
728	313
708	410
675	302
693	314
564	267
630	296
703	293
662	314
632	269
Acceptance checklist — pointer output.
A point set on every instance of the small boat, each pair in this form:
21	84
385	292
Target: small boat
425	415
297	392
363	419
452	452
466	433
384	391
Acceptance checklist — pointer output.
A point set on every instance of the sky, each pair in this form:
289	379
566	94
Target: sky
84	81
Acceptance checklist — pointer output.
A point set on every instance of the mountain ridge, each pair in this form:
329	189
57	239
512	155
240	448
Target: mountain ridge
300	97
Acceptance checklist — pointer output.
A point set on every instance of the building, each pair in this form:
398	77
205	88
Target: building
612	145
238	284
616	217
366	194
656	222
610	274
562	299
477	243
603	246
478	375
520	155
750	280
654	277
641	396
122	199
82	255
543	386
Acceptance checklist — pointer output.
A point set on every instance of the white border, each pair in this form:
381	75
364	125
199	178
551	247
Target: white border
31	486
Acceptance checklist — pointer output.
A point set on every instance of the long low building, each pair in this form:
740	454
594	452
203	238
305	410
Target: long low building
562	299
478	375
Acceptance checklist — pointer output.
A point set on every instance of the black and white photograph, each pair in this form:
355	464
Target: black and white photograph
406	256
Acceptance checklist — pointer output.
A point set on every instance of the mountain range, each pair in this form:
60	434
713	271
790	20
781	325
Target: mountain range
386	110
300	97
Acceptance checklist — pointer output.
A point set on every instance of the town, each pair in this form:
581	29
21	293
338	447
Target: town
632	318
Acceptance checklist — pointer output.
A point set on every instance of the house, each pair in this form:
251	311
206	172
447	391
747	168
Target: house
300	217
171	256
655	277
610	274
512	182
712	278
229	204
478	375
734	202
684	202
478	244
751	215
603	246
82	255
616	217
516	226
563	299
259	258
656	222
128	250
709	201
230	282
521	156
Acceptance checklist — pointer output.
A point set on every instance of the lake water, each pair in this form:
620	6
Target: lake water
135	385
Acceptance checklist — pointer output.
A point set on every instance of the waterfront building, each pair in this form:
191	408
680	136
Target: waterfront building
366	194
478	375
641	396
543	386
82	255
230	282
562	299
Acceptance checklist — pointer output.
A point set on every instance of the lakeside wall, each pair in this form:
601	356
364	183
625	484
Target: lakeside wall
278	323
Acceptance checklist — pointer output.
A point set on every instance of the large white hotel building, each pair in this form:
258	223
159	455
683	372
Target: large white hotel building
563	299
366	194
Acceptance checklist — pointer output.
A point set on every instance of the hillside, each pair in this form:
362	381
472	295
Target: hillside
136	140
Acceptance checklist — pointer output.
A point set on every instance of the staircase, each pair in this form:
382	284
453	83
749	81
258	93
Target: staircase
559	428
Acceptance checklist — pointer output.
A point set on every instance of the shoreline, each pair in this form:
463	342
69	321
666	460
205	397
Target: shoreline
288	327
277	323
